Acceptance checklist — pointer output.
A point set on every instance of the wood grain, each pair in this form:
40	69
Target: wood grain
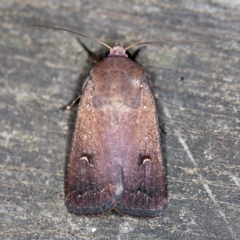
42	70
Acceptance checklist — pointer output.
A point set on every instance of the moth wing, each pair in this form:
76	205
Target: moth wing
88	187
145	193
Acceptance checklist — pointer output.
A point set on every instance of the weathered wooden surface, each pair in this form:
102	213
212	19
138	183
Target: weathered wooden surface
43	69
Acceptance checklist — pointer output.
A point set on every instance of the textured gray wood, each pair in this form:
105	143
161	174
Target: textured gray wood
43	69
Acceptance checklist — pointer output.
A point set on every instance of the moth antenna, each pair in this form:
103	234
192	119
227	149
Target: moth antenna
62	29
166	40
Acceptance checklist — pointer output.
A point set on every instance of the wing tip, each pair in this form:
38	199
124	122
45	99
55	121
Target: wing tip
88	210
85	205
142	212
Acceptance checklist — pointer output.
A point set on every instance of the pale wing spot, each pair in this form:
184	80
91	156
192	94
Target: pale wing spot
118	189
146	160
135	82
85	158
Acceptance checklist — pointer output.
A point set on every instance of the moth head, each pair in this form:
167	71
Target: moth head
118	50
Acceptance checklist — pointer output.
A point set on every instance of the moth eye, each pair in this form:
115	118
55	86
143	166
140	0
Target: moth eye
144	159
107	53
88	158
129	54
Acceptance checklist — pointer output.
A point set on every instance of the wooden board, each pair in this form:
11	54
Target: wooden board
42	70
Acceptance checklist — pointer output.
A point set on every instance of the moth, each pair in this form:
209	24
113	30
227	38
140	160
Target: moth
115	159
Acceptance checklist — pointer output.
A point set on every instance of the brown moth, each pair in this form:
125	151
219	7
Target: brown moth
116	160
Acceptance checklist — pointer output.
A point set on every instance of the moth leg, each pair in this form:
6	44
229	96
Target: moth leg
93	58
68	106
162	129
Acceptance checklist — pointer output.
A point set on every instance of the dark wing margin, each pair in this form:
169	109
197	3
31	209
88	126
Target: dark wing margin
145	189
